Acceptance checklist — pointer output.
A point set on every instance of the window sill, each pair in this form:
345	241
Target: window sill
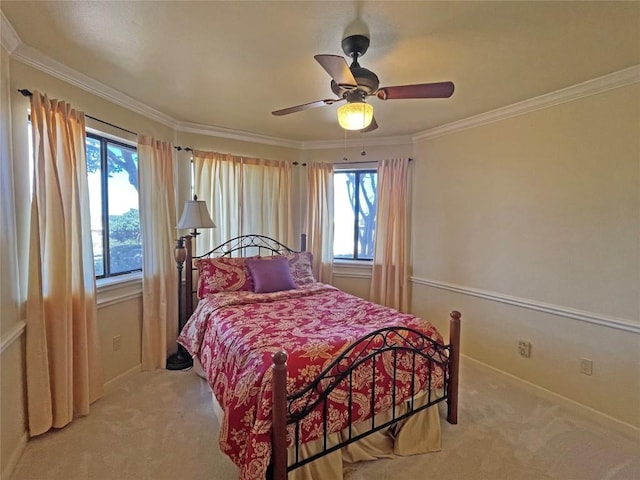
112	290
352	268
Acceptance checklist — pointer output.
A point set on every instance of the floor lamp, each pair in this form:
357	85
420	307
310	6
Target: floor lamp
195	215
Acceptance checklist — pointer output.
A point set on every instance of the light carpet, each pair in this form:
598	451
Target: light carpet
160	425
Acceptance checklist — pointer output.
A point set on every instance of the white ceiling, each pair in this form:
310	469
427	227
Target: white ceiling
230	63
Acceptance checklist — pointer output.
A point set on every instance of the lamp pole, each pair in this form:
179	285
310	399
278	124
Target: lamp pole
195	215
181	359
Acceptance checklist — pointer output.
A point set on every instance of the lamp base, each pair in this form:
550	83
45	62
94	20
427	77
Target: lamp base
180	360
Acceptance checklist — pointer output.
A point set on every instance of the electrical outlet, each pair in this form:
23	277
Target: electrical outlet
586	366
117	343
524	348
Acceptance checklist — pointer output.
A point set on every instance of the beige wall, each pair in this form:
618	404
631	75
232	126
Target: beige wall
12	412
116	316
542	209
374	153
120	319
10	292
353	285
237	147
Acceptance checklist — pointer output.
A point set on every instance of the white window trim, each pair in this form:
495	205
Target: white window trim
346	262
120	279
112	290
352	268
347	167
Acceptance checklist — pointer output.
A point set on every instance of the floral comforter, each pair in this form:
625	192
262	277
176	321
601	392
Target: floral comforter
235	334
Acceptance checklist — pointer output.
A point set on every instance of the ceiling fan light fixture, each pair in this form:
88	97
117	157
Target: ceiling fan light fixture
355	115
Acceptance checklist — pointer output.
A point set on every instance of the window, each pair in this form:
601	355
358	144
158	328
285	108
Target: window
355	198
112	173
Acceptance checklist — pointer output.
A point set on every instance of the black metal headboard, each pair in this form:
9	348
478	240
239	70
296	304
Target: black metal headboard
242	246
249	245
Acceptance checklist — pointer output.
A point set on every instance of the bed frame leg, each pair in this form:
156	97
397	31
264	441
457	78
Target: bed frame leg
454	367
279	416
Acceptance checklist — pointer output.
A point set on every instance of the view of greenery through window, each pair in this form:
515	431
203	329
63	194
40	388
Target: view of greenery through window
355	199
112	173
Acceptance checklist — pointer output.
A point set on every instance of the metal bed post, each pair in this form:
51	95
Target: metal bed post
454	367
279	416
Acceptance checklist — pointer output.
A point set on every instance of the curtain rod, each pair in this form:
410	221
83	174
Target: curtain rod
347	162
27	93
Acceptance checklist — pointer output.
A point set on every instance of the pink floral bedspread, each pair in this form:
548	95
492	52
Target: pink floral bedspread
235	334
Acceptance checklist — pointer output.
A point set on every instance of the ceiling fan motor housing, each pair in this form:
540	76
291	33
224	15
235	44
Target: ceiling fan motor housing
355	46
367	82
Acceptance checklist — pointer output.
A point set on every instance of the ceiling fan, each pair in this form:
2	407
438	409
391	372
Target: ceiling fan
354	84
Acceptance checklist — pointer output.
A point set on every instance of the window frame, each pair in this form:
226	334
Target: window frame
105	140
357	172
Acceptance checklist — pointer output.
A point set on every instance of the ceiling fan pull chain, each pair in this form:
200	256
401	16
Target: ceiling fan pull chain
344	157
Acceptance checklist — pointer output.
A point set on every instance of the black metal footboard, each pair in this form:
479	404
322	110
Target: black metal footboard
394	343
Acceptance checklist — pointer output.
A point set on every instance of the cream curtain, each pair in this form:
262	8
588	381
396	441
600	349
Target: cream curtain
390	274
159	274
217	181
320	219
244	196
64	374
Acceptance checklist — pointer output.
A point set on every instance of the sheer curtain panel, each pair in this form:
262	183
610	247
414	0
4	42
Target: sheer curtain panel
64	374
156	174
244	196
320	219
390	274
217	181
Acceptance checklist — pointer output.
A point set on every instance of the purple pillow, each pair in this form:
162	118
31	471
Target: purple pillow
270	275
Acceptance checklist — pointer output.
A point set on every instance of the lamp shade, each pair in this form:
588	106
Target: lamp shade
195	215
355	115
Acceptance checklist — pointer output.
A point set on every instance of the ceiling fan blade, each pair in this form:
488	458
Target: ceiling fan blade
372	126
306	106
337	67
420	90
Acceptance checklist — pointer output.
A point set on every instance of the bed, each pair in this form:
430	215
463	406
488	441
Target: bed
307	377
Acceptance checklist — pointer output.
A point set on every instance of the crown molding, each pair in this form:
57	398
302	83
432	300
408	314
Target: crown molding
8	36
613	80
221	132
356	142
38	60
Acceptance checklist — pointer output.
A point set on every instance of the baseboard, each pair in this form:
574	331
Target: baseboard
114	383
109	387
15	456
601	418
